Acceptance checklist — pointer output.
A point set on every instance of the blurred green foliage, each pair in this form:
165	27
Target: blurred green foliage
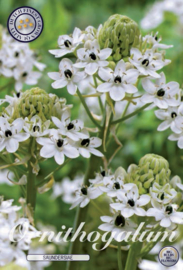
139	136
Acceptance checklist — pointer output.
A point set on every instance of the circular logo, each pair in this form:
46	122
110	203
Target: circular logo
25	24
168	256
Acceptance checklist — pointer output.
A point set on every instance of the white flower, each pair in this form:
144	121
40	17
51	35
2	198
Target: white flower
35	127
67	189
90	33
69	128
84	195
162	94
87	146
165	214
148	63
23	74
68	76
100	177
57	147
11	100
113	184
10	134
91	57
131	203
119	81
68	44
6	206
169	116
118	225
163	194
178	129
154	41
4	70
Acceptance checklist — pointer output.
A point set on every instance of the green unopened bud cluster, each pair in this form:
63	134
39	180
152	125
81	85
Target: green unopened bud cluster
151	168
37	102
119	33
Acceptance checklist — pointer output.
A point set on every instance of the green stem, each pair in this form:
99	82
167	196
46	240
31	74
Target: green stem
120	266
31	179
131	114
133	254
99	209
99	99
31	187
87	110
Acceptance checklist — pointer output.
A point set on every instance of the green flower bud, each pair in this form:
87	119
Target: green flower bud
152	168
119	33
37	102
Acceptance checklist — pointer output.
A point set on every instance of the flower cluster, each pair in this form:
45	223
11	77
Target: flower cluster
17	60
111	63
45	117
144	190
156	15
12	245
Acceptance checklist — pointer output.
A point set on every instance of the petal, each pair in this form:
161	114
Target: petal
12	145
165	222
47	151
147	98
117	93
59	157
96	142
91	68
54	75
96	152
84	202
84	152
70	151
129	88
180	143
104	87
106	219
105	74
140	212
164	125
148	86
106	227
71	87
144	199
59	84
105	53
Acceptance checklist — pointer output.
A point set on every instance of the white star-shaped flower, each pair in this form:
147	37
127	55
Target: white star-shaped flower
69	128
68	44
57	147
118	225
162	94
68	76
87	146
84	195
169	119
35	126
119	81
131	203
91	58
165	214
148	63
11	135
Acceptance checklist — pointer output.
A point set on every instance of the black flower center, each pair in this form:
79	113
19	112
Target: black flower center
92	56
24	74
85	142
156	38
117	79
8	133
120	221
18	95
161	92
16	54
162	196
145	62
36	128
117	185
60	142
173	114
131	202
67	43
84	190
70	126
169	209
68	73
1	62
103	173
